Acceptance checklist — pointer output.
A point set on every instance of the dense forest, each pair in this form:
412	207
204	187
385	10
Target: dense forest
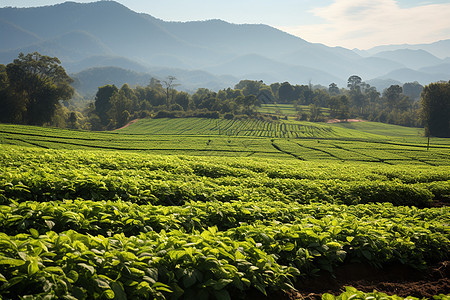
35	89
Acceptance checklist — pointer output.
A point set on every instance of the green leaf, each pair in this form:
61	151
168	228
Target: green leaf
109	294
289	247
73	276
189	279
11	261
103	284
119	292
54	270
350	238
221	283
327	296
161	287
261	288
33	267
88	267
34	233
68	297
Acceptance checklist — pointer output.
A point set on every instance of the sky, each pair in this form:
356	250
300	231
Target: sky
351	24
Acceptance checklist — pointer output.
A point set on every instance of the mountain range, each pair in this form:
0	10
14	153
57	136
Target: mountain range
105	42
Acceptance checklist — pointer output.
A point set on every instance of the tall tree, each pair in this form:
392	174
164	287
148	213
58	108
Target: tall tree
354	83
333	89
392	96
36	84
436	109
168	85
286	93
103	101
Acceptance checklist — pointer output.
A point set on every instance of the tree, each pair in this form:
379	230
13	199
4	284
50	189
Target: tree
413	90
103	101
250	87
354	83
392	95
36	84
435	100
121	102
286	93
73	120
315	112
333	89
168	85
183	100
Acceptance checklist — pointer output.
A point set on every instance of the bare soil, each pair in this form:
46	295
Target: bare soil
396	279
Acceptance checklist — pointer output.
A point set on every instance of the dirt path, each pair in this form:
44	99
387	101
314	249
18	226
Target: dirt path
129	123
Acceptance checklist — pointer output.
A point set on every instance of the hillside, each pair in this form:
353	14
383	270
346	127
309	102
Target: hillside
142	43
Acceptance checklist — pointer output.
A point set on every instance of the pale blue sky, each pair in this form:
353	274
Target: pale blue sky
352	24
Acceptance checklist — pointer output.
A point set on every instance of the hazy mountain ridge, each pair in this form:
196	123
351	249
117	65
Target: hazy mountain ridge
106	33
440	49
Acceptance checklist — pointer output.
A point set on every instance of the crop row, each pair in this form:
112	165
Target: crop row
159	188
205	262
107	217
168	180
234	138
249	127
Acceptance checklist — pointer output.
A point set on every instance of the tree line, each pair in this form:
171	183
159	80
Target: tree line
35	89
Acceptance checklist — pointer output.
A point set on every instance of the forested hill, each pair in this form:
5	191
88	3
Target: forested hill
106	33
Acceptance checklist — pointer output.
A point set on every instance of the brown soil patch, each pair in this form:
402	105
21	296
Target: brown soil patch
396	279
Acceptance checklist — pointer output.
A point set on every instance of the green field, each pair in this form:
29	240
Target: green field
345	142
215	209
287	110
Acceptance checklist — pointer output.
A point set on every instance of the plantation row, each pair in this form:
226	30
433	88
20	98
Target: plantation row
356	149
386	153
249	127
265	255
107	217
45	175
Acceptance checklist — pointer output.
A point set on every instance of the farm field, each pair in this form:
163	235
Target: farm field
287	110
223	209
352	142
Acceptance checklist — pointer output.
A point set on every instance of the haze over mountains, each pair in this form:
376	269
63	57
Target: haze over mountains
125	46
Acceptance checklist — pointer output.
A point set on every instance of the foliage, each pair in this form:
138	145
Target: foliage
352	293
248	238
99	224
35	84
436	109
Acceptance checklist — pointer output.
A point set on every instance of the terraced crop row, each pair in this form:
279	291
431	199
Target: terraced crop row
43	175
